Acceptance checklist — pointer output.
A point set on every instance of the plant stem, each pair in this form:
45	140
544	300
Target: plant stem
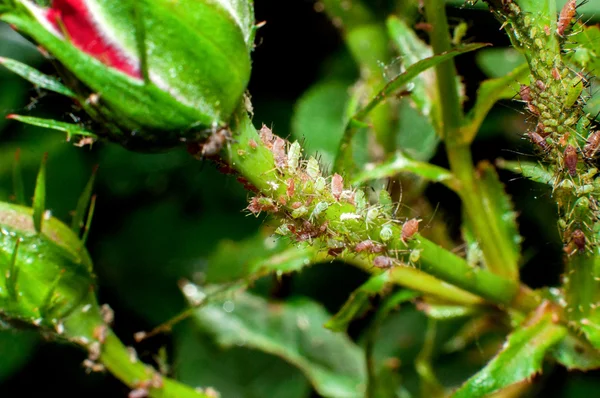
85	327
255	163
494	245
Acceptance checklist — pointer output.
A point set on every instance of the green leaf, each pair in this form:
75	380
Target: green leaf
293	331
499	62
39	197
234	372
70	128
534	171
319	119
520	359
358	302
576	353
36	77
585	47
83	204
488	94
257	256
411	72
401	162
500	213
389	90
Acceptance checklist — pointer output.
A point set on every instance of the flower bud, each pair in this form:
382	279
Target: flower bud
43	276
153	72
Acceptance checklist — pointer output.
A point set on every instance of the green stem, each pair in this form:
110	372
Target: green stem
85	327
495	246
253	160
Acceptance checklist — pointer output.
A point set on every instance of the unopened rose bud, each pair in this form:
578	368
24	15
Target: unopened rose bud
153	73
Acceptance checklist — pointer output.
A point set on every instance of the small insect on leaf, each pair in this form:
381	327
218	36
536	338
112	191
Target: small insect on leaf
410	228
266	136
279	153
591	146
383	262
525	93
368	246
538	140
571	158
337	186
578	238
293	156
566	16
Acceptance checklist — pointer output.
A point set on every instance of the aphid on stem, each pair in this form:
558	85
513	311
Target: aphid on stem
369	246
566	16
571	158
538	140
383	262
409	229
591	145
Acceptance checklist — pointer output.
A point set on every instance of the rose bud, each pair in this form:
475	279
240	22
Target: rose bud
151	73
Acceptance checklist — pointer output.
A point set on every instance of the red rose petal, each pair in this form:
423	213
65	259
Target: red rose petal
74	17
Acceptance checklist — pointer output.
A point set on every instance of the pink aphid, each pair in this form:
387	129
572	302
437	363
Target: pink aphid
566	16
368	246
337	186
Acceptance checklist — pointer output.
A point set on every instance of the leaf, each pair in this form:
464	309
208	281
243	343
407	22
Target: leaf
319	119
520	359
400	162
534	171
36	77
257	256
500	214
585	47
70	128
39	197
234	372
358	302
389	90
293	331
574	352
412	50
83	204
411	72
490	92
499	62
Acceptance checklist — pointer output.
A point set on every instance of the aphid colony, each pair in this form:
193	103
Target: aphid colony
318	207
562	132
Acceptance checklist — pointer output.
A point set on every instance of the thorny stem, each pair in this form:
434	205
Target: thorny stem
86	327
494	245
255	163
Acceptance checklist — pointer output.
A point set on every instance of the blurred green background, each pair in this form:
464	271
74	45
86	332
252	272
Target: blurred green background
159	217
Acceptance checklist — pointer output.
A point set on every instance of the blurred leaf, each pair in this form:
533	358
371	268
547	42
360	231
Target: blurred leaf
534	171
17	348
358	302
318	119
585	47
574	352
490	92
501	215
416	136
257	256
293	331
235	372
36	77
71	129
498	63
520	359
39	198
411	72
423	90
401	162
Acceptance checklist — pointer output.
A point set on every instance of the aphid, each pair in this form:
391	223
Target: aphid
100	332
214	143
566	15
415	255
372	215
312	168
555	73
525	93
386	233
266	136
108	315
291	187
368	246
296	205
410	228
320	184
337	186
383	262
578	238
252	144
591	145
319	208
279	152
299	212
570	157
541	85
293	156
538	140
533	109
360	200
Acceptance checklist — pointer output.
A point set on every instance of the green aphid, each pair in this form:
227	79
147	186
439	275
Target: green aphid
299	212
312	168
574	90
386	233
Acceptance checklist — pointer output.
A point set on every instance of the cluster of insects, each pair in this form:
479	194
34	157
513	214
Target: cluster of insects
318	207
